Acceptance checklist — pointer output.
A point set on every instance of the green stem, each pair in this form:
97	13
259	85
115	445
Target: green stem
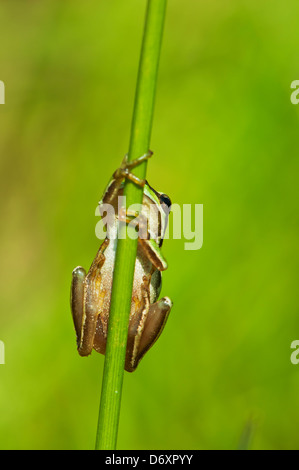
127	247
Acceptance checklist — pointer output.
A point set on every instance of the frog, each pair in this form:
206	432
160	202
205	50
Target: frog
91	291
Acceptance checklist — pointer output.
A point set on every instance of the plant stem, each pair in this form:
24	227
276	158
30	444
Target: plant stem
127	246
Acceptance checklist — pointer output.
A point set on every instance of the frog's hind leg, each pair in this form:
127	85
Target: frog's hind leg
141	309
86	302
154	325
140	340
77	299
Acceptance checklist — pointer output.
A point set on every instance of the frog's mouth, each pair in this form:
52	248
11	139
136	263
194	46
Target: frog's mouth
164	205
162	197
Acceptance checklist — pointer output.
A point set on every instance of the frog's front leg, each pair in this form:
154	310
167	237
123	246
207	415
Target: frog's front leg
150	247
122	173
153	252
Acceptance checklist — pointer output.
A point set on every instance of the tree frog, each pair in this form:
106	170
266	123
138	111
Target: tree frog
91	292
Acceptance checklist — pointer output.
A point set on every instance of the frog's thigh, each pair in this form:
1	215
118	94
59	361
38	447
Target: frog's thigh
91	303
84	310
91	310
155	322
77	299
135	329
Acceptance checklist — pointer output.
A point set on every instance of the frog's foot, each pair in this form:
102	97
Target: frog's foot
136	218
124	170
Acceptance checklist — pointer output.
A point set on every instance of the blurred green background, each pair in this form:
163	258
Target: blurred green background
225	135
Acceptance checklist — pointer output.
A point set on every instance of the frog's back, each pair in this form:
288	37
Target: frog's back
143	270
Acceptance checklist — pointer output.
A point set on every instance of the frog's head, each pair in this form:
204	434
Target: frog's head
160	206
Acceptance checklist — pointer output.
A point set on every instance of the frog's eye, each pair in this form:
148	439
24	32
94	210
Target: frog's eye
164	199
